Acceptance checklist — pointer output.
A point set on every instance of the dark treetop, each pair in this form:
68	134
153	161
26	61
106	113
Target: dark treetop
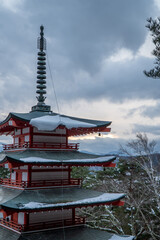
154	28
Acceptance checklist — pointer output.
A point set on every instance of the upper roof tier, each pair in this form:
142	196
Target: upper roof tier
49	121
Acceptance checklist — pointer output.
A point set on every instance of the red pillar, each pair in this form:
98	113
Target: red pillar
29	176
31	137
26	221
73	216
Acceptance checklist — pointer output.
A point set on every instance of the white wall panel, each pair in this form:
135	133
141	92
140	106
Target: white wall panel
16	140
26	138
6	165
24	167
25	130
24	176
18	132
20	218
13	176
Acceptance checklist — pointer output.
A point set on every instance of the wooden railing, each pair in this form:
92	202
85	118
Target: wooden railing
44	145
42	225
11	224
55	224
40	183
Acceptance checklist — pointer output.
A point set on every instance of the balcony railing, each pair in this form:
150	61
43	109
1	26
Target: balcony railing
11	224
42	225
44	145
40	183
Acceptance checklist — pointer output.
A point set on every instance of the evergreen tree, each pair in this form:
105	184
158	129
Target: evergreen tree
154	28
4	172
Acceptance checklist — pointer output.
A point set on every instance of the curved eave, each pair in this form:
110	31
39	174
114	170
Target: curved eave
71	233
77	162
19	119
83	131
10	123
85	204
116	202
12	116
36	200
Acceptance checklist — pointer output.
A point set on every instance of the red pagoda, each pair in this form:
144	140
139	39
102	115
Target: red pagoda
39	200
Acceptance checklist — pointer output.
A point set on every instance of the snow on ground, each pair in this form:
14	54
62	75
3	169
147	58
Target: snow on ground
106	197
50	123
37	159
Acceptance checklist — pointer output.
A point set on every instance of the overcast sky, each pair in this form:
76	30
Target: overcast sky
97	51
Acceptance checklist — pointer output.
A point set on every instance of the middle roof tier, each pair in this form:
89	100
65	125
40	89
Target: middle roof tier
56	198
70	158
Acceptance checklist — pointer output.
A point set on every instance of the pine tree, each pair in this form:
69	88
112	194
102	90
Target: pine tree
4	172
154	28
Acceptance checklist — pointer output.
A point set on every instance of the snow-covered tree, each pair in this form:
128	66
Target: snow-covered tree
137	176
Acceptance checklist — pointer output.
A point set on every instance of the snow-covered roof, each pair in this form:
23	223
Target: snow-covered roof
53	119
56	158
78	161
71	233
55	198
105	197
50	123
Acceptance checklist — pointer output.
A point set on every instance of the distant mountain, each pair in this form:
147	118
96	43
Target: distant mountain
155	158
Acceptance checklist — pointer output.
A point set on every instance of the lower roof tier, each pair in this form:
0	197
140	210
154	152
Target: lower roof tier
56	198
72	158
76	233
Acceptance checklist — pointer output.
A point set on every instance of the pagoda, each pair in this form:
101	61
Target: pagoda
39	199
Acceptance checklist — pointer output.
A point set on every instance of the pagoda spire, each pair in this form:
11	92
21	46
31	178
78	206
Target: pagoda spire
41	71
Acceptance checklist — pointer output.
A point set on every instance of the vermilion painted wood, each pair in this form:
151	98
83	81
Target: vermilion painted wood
41	183
83	131
6	127
43	145
42	225
15	164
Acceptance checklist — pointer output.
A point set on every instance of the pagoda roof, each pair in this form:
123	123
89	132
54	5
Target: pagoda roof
76	233
37	114
71	158
55	198
49	121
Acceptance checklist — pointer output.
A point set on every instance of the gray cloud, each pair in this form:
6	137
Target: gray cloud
80	34
101	145
152	112
155	130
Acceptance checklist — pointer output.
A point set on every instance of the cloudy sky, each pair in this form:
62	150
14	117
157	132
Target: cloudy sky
97	51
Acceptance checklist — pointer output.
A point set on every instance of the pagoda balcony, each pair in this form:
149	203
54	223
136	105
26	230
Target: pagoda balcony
11	224
43	145
42	225
41	183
